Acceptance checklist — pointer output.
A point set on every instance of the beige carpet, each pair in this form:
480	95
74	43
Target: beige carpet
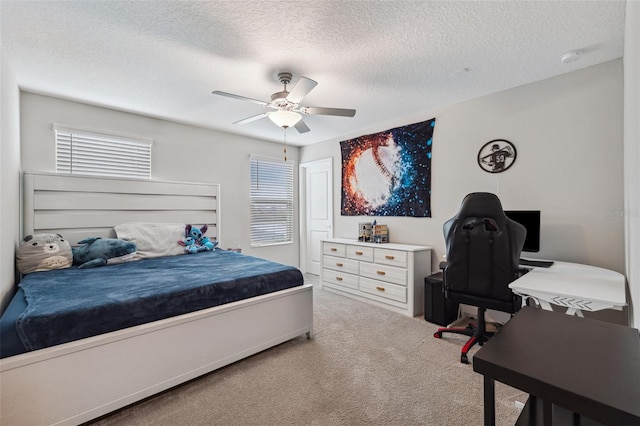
364	366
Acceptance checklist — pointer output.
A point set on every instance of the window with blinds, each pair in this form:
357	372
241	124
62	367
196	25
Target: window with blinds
271	202
88	153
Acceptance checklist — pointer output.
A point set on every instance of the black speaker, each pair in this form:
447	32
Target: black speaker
437	309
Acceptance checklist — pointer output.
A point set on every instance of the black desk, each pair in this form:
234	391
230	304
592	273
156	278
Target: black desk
586	366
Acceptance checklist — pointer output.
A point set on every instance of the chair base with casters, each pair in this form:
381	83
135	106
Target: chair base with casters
478	334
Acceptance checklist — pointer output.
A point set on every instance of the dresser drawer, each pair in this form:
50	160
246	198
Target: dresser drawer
340	279
390	257
333	249
383	289
360	253
386	273
340	264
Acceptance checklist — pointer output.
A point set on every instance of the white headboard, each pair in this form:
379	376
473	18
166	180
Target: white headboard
77	207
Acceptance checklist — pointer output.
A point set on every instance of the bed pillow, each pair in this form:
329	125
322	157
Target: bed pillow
153	239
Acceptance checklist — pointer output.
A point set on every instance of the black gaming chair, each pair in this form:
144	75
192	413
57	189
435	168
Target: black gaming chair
483	249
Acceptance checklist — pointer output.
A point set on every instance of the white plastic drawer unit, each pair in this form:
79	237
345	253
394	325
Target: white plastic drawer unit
386	290
334	249
341	264
384	273
360	253
390	257
337	278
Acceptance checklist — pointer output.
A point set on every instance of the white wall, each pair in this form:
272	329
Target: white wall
180	153
632	154
9	178
568	131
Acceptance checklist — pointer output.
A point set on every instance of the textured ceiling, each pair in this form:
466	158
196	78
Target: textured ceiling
392	61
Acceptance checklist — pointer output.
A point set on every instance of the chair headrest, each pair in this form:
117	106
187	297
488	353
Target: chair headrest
481	204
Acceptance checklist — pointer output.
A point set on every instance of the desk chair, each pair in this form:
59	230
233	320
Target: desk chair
483	248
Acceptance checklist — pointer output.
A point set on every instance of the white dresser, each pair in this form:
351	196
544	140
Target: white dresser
387	275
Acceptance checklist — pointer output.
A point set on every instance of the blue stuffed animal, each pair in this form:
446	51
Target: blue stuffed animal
97	251
190	245
198	235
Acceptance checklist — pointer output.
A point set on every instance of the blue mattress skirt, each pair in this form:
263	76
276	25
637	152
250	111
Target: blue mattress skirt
60	306
10	343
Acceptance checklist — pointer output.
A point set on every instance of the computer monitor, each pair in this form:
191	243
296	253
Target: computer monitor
530	219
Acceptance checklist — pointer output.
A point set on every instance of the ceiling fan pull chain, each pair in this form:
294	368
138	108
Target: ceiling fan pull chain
285	143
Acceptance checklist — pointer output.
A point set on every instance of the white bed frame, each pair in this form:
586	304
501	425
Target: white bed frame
79	381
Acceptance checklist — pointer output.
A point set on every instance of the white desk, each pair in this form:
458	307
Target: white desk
578	287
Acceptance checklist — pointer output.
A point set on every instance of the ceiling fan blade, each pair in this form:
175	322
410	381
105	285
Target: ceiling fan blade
301	127
301	89
250	119
328	111
242	98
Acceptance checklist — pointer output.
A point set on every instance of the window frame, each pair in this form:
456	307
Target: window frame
101	153
278	196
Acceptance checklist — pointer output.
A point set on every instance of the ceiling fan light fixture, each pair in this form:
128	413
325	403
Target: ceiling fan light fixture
284	118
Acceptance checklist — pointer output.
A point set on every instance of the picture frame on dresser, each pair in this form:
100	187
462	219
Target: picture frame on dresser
387	275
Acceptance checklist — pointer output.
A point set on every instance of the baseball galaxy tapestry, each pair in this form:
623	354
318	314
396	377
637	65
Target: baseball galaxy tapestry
388	173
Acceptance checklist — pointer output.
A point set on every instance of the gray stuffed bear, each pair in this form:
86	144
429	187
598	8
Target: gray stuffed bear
98	251
43	252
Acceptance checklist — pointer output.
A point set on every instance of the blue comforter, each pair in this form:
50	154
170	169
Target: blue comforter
71	304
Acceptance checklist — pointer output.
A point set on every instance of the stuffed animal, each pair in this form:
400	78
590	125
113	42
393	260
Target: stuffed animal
43	252
199	237
97	251
190	245
207	243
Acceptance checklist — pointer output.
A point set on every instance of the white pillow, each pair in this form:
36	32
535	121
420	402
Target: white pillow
153	239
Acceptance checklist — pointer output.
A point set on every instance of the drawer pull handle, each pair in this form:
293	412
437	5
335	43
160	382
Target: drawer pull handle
338	278
380	272
389	257
359	253
334	249
379	288
338	264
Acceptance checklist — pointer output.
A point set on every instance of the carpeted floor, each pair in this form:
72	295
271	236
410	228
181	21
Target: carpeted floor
364	366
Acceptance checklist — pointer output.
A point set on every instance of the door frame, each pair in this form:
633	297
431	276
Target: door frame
302	210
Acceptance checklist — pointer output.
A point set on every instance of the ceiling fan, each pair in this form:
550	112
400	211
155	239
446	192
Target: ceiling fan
288	112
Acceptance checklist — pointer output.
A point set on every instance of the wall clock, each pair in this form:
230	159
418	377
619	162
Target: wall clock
497	156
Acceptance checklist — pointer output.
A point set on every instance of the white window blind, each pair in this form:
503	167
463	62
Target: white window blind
271	202
88	153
